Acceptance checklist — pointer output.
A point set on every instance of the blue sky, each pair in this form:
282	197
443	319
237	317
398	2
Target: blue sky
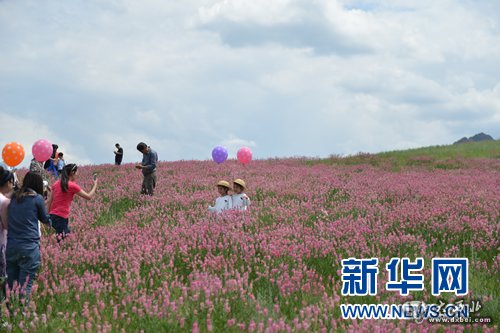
284	77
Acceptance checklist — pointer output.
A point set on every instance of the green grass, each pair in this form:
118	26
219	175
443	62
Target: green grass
484	149
116	212
434	157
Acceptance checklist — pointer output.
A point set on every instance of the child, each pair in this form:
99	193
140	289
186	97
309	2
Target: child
63	192
60	164
223	202
241	201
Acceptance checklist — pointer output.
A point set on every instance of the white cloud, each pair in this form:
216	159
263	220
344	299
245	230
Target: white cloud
26	132
285	77
233	144
258	11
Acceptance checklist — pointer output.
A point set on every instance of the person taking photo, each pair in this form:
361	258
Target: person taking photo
63	192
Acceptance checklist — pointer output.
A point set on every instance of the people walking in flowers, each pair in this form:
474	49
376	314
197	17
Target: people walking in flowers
224	201
240	200
63	192
26	208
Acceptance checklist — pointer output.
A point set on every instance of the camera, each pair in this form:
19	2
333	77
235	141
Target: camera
16	181
45	189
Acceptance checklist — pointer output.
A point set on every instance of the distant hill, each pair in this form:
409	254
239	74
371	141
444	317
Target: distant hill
476	138
443	157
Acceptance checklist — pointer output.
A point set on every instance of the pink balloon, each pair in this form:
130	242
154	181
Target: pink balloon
42	150
244	155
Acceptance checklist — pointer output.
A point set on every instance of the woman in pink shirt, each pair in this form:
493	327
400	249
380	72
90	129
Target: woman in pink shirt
63	192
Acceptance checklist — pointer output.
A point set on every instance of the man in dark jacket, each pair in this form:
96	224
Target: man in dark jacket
118	154
148	167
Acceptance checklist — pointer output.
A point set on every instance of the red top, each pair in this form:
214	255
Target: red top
61	201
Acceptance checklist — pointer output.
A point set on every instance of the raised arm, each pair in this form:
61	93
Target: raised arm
89	195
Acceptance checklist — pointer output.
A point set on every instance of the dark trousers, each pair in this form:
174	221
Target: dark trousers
22	265
60	224
149	183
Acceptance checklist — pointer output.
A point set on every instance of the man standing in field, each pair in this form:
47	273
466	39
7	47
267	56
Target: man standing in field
148	167
118	154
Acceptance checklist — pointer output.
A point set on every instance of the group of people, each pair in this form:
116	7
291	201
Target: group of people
238	201
147	166
23	208
54	165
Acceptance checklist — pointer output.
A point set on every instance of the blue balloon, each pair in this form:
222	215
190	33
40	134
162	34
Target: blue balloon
219	154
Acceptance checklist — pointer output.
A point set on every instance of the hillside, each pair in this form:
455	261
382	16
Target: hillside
441	157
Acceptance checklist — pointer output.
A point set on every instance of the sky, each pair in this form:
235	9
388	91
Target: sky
282	77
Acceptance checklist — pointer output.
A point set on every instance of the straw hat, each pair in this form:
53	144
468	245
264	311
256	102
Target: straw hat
224	184
240	182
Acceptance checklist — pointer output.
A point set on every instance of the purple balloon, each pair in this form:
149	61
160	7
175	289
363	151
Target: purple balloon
219	154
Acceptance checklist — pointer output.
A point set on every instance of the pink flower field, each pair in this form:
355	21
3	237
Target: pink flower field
164	263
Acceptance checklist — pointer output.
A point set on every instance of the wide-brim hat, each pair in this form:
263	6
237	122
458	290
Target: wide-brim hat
223	183
240	182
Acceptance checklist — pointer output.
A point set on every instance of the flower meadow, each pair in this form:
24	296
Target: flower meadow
164	263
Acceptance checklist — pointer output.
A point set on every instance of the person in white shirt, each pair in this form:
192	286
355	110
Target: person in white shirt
241	201
224	202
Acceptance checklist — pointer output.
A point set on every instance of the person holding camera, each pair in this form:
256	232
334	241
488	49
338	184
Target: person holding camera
63	192
148	168
26	208
118	154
